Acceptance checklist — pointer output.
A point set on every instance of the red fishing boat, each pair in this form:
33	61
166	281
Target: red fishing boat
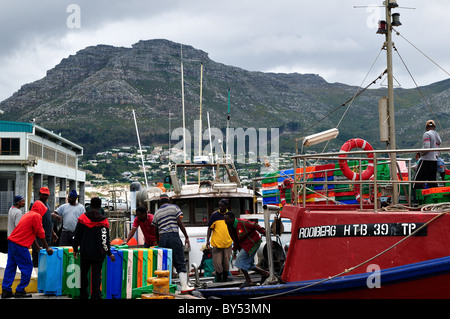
367	241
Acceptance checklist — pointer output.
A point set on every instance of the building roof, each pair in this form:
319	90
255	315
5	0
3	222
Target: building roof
6	126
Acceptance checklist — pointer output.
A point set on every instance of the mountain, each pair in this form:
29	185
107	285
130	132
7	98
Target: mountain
89	97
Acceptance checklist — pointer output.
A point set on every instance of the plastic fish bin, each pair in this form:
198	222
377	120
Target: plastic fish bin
127	273
72	275
114	275
141	275
165	261
50	272
67	269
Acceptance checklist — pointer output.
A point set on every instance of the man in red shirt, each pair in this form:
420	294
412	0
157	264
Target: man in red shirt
246	239
19	242
144	220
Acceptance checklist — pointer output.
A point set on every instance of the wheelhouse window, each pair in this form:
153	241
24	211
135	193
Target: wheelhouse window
10	146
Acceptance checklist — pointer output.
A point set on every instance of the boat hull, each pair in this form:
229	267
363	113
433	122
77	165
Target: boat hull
360	254
424	280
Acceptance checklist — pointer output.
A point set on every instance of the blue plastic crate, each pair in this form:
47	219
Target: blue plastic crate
271	200
270	192
50	272
114	275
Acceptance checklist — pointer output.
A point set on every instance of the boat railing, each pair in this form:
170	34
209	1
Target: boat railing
379	157
303	182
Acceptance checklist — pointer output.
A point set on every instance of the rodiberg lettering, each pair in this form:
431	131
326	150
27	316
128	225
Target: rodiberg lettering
352	230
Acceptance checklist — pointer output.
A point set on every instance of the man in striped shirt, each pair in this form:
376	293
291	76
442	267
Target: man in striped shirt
168	219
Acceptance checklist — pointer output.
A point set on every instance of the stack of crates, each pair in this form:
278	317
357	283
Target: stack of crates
343	193
433	195
132	268
270	192
447	177
59	273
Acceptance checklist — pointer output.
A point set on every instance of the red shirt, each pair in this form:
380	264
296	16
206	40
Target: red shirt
147	229
29	226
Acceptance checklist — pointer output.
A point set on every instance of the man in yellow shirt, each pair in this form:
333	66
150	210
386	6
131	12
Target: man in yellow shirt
220	241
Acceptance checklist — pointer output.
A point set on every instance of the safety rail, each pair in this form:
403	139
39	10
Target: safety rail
301	180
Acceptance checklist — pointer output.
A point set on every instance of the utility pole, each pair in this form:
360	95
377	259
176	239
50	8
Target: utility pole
389	4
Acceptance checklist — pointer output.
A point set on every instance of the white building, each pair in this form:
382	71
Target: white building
31	157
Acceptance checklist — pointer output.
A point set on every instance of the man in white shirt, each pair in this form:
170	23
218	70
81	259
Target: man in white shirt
68	213
427	167
15	213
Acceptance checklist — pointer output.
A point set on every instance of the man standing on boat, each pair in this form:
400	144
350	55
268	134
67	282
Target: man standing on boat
246	239
427	167
167	220
220	240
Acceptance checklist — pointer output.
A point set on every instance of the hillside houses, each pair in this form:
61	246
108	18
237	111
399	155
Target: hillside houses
124	164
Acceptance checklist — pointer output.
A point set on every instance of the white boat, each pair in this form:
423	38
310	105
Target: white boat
199	199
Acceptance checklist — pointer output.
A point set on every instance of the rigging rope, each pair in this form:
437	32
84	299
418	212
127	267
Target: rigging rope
434	62
415	47
358	93
420	91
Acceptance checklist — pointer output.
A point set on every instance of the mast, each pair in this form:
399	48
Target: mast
389	4
200	135
182	103
184	117
228	125
140	149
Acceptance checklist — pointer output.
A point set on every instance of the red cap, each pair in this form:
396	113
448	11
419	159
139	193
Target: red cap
44	190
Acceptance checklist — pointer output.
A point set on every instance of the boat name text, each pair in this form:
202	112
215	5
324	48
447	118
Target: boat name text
353	230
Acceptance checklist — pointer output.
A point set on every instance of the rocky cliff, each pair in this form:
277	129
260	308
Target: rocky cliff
89	97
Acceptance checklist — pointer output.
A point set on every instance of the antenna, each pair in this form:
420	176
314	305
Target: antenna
140	148
228	124
210	145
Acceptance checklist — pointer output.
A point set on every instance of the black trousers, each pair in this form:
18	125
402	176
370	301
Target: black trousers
426	171
95	266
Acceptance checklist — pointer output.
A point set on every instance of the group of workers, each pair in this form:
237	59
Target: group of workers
88	233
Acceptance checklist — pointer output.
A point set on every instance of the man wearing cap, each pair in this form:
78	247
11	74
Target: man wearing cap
47	224
427	167
19	242
68	213
220	241
15	213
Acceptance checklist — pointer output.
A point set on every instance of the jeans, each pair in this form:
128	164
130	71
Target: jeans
18	256
173	241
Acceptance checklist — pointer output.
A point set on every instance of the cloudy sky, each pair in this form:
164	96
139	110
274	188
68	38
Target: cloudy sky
331	38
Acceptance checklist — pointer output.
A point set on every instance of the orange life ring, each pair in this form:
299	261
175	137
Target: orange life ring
349	145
